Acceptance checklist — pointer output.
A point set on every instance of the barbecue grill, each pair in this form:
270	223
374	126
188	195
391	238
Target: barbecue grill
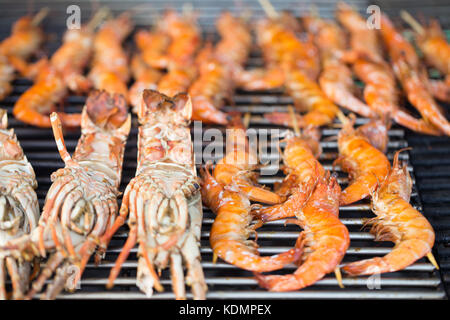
428	166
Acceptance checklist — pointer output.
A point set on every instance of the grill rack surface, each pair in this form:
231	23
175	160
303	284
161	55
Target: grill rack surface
419	281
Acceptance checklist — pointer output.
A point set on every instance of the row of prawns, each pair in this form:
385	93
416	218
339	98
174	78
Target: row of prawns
81	211
310	197
317	72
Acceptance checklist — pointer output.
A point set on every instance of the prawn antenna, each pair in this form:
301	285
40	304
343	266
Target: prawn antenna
409	19
269	9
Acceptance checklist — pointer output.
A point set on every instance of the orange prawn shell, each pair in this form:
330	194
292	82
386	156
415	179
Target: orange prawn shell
366	165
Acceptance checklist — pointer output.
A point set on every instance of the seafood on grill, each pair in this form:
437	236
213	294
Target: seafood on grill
109	66
367	166
163	200
227	192
15	51
81	204
184	41
35	104
145	76
397	221
299	64
336	78
19	207
324	239
436	50
411	75
380	91
152	45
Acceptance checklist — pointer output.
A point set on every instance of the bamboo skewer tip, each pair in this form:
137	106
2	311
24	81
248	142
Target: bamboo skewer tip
409	19
37	19
269	9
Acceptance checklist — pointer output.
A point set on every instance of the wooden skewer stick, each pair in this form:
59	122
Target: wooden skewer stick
294	120
269	9
37	19
101	14
341	116
409	19
338	275
432	260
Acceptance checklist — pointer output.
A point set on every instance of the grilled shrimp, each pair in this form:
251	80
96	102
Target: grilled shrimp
238	165
302	170
19	207
163	200
397	221
81	204
35	104
25	39
366	57
336	78
153	46
145	78
110	71
177	80
366	165
325	236
407	68
6	77
232	227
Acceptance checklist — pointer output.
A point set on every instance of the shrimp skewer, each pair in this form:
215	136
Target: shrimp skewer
227	193
146	78
219	67
24	41
73	56
366	57
324	235
110	71
399	222
302	171
410	74
19	207
54	77
366	165
81	203
336	78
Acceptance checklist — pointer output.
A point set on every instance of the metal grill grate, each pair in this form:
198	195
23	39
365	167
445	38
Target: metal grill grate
419	281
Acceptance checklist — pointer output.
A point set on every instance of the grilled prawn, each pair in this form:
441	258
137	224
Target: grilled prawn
408	70
19	207
397	221
336	78
81	204
325	238
163	200
380	91
227	192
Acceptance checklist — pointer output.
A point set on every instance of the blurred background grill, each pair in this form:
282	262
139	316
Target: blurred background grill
429	164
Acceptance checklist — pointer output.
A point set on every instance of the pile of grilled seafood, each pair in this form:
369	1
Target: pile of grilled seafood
179	77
